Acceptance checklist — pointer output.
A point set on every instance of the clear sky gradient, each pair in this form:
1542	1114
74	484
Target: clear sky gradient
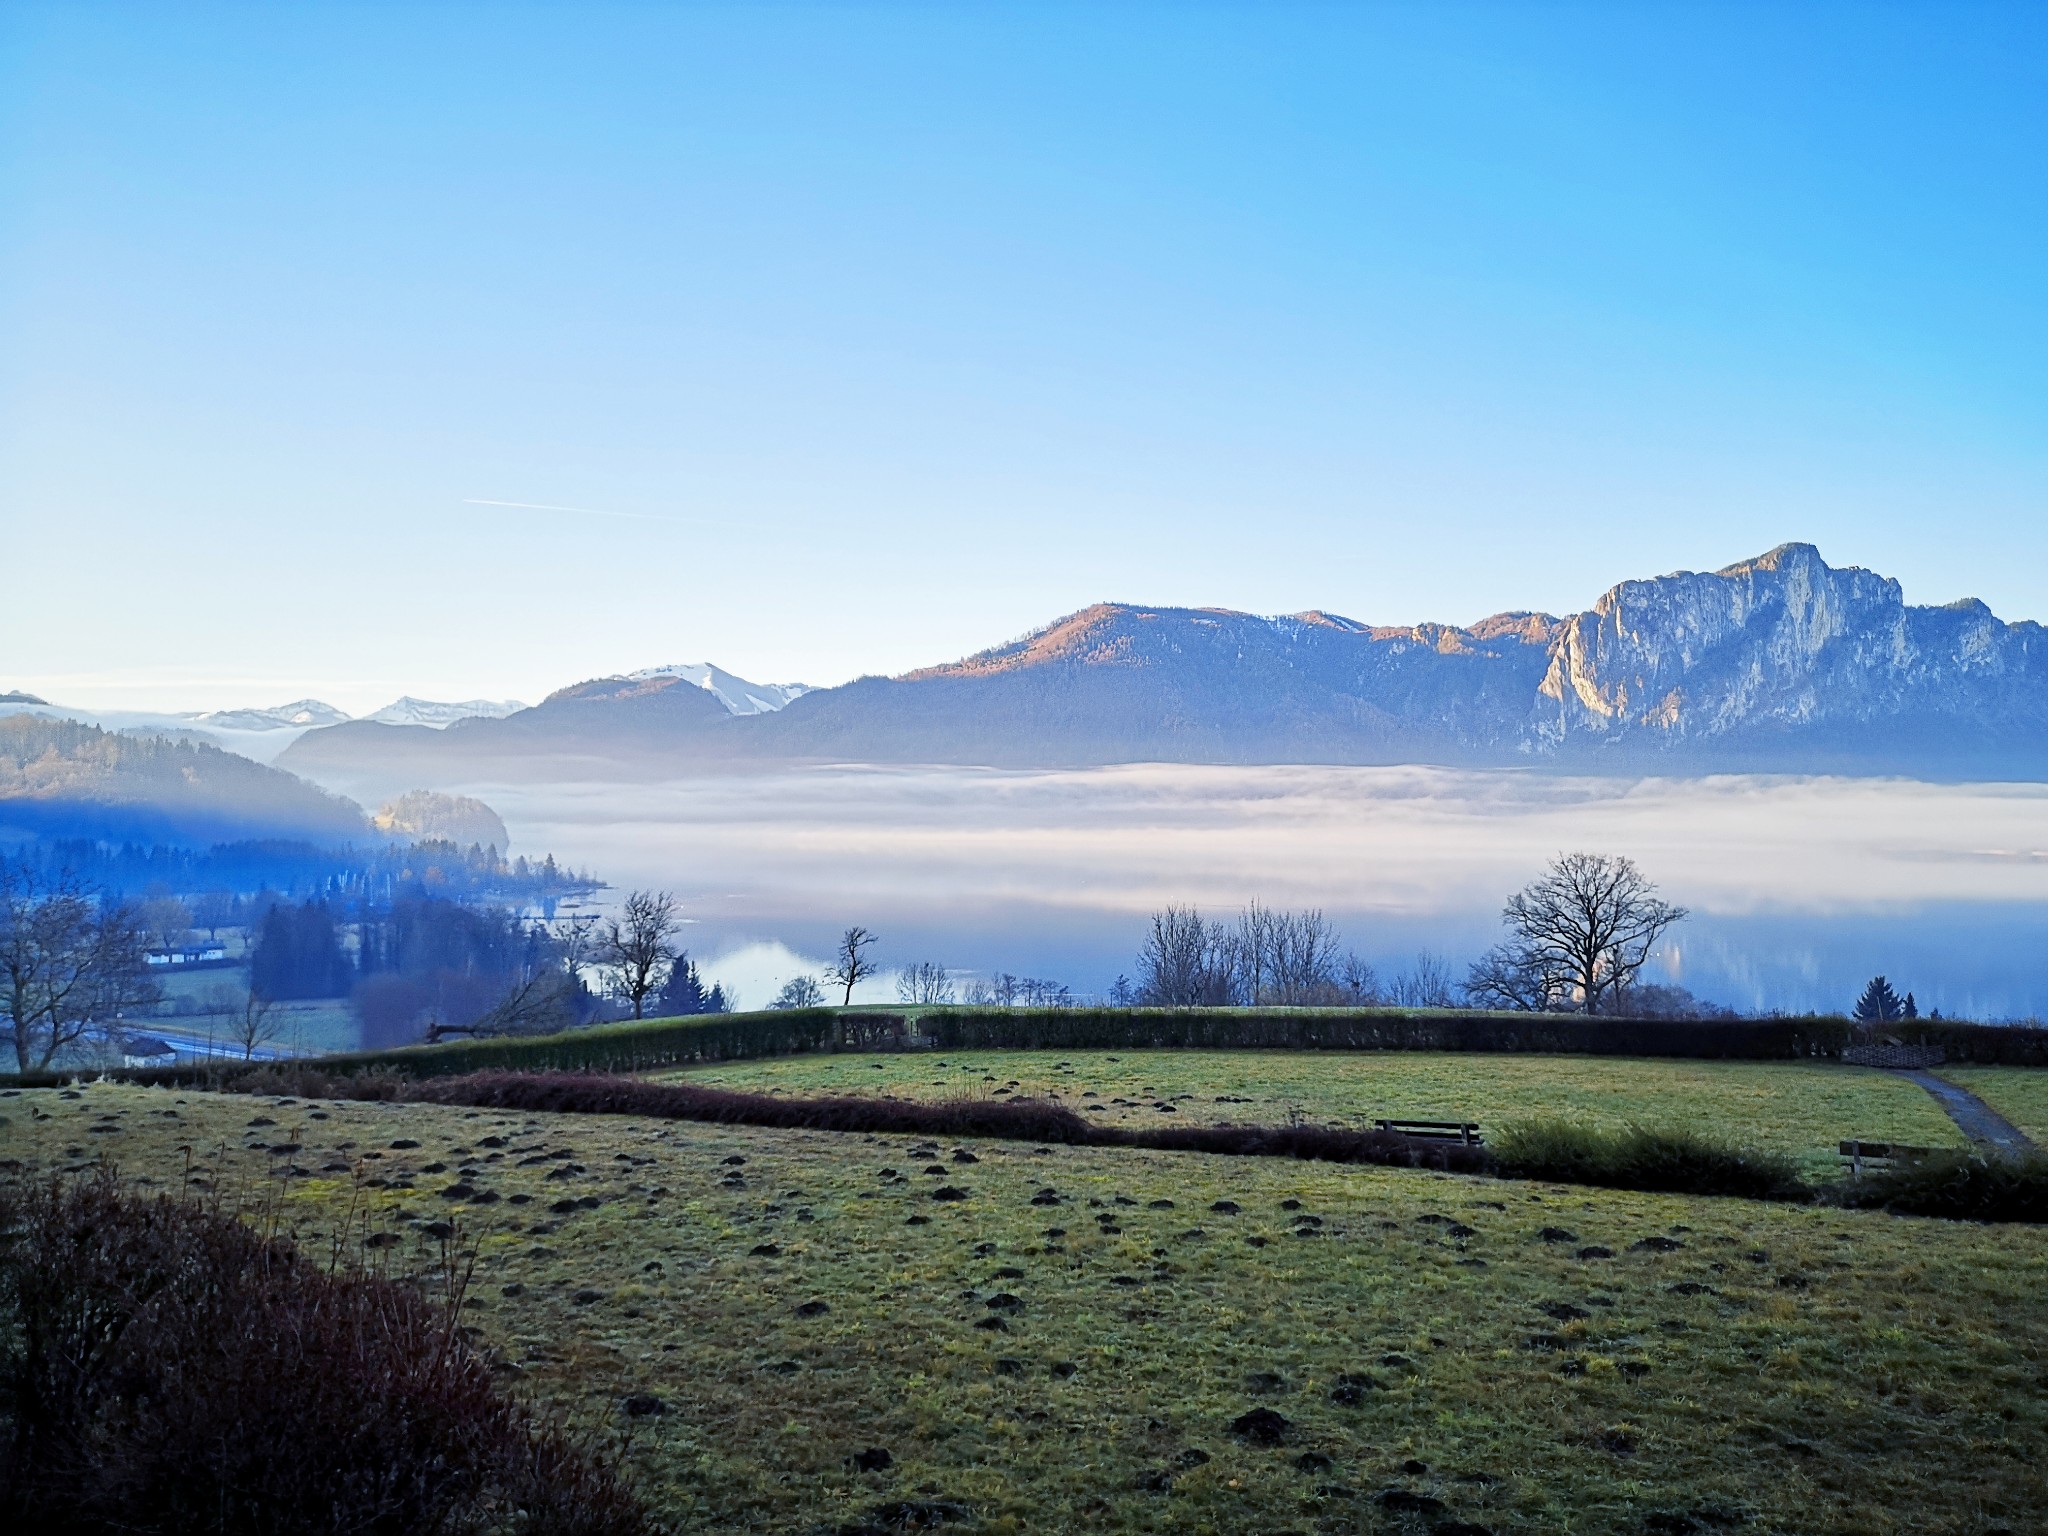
474	350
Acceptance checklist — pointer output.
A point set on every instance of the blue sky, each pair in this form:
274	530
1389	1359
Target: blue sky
860	337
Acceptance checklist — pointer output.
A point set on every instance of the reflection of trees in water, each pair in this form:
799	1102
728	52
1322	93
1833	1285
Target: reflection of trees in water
1802	888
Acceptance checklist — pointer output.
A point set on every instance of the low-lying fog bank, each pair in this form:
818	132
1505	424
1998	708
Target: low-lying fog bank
1802	887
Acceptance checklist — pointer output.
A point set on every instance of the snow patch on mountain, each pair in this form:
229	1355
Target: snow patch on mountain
301	714
437	716
739	696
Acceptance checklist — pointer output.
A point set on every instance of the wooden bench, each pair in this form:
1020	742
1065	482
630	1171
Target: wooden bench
1881	1153
1464	1132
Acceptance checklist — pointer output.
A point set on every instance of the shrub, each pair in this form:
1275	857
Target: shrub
1309	1143
1638	1157
1964	1186
167	1369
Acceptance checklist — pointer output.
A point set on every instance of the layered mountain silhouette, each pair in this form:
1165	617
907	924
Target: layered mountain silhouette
1778	664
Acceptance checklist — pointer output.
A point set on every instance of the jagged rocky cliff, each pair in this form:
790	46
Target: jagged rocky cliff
1781	663
1783	647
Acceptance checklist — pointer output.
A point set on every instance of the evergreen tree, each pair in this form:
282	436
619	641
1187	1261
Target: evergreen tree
298	954
1879	1004
684	992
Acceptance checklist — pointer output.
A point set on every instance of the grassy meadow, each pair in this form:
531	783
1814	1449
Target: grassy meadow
1804	1109
2018	1093
1442	1353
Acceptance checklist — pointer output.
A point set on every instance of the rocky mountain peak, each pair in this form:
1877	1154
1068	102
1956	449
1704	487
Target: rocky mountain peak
1779	663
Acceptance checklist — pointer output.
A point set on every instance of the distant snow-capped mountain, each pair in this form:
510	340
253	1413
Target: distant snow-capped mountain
301	714
739	696
259	733
428	712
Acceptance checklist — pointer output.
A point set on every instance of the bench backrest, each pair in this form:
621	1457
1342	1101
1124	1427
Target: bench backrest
1465	1131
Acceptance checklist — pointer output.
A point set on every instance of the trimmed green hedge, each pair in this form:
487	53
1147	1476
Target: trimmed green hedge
633	1046
1379	1029
657	1043
1362	1029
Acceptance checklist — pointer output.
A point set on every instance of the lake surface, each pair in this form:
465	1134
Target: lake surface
1801	888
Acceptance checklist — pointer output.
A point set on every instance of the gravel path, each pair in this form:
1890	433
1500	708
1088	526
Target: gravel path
1977	1120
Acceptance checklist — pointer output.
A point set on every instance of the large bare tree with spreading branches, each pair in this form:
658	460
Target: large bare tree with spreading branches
1577	937
69	962
635	946
852	965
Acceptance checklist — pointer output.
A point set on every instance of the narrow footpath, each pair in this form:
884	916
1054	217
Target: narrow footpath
1977	1120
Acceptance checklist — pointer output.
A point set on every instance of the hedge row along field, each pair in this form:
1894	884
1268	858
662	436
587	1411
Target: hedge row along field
653	1044
1379	1030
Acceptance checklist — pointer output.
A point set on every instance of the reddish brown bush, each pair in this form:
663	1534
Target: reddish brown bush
1012	1120
167	1369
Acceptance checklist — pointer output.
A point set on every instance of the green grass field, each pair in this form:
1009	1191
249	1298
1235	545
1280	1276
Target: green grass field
1514	1357
2018	1093
1801	1109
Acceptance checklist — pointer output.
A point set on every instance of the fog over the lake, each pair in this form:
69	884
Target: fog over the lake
1801	887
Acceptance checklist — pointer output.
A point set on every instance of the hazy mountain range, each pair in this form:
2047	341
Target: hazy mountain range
1778	664
259	733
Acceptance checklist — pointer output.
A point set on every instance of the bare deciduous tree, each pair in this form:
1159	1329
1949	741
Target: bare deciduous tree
541	1000
924	985
166	921
852	965
576	938
635	946
1357	982
1285	958
213	911
1510	978
1426	984
1187	961
256	1022
68	961
1004	990
1590	921
799	992
1269	958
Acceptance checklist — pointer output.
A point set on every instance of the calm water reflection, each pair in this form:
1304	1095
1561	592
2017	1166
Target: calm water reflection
1802	888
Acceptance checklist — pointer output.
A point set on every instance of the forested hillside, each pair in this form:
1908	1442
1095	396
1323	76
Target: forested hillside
59	778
